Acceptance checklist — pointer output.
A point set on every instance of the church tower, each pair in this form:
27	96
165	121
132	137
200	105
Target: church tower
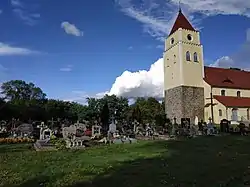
183	72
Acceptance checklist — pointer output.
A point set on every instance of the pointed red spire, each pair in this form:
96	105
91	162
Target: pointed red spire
181	22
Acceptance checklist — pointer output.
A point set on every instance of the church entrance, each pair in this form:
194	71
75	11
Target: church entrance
235	114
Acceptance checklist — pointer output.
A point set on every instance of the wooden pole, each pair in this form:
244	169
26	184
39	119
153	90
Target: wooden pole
212	105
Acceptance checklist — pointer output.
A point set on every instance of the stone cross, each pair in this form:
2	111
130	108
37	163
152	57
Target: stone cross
112	127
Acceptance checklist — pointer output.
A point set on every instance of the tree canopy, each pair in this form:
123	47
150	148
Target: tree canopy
25	101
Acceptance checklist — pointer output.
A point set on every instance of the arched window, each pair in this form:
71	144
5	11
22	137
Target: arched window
188	56
223	92
238	93
195	57
220	112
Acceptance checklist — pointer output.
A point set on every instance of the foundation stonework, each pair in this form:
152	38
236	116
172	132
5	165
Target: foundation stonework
184	102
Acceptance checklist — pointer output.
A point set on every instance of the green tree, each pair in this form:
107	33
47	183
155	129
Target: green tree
80	111
20	90
136	114
150	109
118	106
93	109
105	117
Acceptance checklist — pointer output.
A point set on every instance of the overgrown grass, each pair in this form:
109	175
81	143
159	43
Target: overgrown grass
205	161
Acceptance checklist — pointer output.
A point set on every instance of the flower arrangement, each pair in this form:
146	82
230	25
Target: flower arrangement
15	140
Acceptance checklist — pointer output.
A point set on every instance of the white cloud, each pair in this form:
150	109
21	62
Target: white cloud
7	50
157	16
160	47
16	3
142	83
239	59
131	85
67	68
2	68
24	13
71	29
81	96
28	18
224	61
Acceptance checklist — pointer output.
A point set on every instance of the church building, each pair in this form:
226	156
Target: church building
192	89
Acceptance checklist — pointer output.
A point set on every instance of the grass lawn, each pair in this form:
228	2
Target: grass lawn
202	162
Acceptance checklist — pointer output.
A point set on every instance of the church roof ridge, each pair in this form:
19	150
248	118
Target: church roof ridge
216	76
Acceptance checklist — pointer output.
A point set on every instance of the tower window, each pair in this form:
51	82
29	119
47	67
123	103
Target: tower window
195	57
188	56
238	93
189	37
223	92
172	41
220	112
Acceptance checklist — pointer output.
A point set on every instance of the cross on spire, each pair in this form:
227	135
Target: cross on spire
180	6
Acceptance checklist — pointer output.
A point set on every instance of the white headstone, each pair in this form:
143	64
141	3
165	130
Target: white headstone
112	127
196	120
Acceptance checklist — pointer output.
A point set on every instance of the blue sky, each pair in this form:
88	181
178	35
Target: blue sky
75	49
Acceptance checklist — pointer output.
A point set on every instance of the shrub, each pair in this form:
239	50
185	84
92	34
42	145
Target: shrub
59	143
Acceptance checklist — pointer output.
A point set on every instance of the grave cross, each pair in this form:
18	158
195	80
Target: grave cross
211	104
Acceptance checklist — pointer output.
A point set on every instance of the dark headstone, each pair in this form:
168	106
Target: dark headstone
224	126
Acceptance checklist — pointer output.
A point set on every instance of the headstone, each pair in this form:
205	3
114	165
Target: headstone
45	134
196	121
80	126
96	130
210	128
134	126
224	126
112	127
67	131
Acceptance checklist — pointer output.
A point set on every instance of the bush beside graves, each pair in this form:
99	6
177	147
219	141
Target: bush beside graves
59	143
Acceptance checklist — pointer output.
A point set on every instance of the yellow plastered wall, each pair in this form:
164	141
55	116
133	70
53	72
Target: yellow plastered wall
231	92
226	112
207	110
193	71
172	65
216	108
177	70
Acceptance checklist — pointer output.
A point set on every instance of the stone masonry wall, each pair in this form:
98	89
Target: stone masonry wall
184	102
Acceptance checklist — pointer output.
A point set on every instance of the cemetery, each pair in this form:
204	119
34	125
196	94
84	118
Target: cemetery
83	154
46	142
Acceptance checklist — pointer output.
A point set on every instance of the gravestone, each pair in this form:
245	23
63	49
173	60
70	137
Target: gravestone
210	127
45	133
112	127
24	130
185	122
96	130
196	121
73	141
224	126
3	126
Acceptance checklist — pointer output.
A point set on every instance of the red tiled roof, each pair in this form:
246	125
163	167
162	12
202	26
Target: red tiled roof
181	22
229	101
227	78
